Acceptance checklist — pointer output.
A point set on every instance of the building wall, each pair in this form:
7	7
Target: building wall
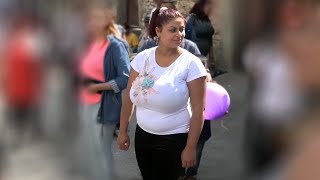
183	6
122	11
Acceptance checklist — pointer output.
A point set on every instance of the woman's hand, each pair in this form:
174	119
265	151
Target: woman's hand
209	78
97	87
92	88
123	141
188	157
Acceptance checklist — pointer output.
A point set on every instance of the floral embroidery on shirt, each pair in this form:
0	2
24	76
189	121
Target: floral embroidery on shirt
143	84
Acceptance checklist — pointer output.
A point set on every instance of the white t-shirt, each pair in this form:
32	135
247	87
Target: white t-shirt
161	95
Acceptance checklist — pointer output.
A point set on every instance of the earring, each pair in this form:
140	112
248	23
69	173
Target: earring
156	38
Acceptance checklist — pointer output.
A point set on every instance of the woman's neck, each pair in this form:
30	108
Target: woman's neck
164	51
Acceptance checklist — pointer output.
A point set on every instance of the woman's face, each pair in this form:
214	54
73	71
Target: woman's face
98	19
207	8
172	33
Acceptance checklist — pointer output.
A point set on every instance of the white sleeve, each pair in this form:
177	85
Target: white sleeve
196	70
138	61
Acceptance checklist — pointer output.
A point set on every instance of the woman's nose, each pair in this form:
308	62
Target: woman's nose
181	33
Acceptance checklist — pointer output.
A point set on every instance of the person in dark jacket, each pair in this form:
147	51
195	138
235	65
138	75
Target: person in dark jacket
199	29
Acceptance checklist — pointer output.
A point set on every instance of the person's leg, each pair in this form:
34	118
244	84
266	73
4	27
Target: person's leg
88	148
143	145
17	118
166	157
35	124
106	136
258	145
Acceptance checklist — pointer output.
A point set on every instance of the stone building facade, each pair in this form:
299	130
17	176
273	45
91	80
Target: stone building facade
183	6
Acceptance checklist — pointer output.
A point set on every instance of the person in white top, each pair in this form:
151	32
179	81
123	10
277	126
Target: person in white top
167	85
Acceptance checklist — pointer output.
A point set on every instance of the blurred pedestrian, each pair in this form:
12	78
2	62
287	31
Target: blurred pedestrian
131	38
282	67
144	35
104	70
199	29
23	75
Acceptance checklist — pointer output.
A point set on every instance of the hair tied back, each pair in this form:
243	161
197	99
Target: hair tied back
162	9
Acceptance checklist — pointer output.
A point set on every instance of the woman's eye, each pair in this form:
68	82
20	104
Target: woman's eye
173	30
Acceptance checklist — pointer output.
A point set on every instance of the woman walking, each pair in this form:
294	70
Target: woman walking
104	72
162	81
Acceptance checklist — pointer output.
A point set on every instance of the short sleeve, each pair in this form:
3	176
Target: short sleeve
138	62
196	70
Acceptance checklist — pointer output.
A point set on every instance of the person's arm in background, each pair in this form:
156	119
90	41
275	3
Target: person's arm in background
123	139
192	47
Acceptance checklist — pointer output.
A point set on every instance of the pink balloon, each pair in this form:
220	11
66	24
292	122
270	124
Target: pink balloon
217	101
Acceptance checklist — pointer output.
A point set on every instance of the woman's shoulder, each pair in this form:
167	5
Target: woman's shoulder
116	41
188	55
144	54
190	58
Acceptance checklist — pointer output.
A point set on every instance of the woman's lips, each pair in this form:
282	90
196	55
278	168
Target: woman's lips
178	40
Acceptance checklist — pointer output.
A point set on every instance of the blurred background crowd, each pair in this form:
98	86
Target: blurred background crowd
273	44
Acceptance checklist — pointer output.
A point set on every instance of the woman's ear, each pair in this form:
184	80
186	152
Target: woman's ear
158	31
